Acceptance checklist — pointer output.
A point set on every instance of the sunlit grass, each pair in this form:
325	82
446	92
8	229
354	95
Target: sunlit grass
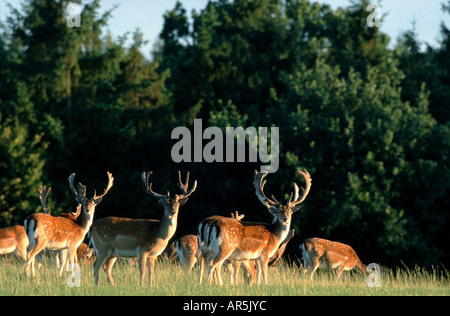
173	280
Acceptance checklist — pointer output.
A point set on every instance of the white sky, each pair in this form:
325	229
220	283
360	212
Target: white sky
147	15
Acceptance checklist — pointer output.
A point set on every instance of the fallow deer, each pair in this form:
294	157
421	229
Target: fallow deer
61	256
318	252
14	239
231	239
205	253
186	248
114	237
56	233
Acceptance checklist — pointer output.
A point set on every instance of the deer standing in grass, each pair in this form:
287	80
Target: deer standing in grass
114	237
56	233
14	239
234	240
318	252
61	256
205	253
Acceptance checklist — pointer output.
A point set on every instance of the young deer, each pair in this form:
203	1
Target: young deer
205	253
61	256
56	233
114	237
186	248
318	252
14	239
231	239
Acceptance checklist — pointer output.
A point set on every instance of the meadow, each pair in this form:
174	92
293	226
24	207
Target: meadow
286	279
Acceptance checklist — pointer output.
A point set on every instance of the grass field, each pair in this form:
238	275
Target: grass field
172	280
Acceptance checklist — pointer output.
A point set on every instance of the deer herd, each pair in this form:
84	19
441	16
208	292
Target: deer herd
219	240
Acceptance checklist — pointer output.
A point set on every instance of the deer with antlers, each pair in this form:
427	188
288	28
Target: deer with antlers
63	253
56	232
114	237
231	239
318	252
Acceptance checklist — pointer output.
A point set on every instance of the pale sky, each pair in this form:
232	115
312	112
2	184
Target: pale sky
147	15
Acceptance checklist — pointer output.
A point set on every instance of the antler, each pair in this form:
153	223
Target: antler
108	187
148	186
43	193
184	187
237	216
259	184
81	193
296	199
80	187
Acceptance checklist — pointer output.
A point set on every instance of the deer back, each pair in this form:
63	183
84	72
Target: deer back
124	233
11	237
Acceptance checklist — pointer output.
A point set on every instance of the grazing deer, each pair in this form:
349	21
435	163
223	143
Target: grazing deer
205	253
84	253
56	233
114	237
63	253
231	239
14	239
318	252
186	248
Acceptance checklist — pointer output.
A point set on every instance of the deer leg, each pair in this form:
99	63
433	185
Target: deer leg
250	271
100	261
340	270
108	269
31	257
151	269
264	266
314	265
200	268
236	266
192	261
258	271
61	259
142	261
230	267
214	265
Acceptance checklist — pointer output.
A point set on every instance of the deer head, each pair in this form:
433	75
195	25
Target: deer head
88	205
171	204
282	212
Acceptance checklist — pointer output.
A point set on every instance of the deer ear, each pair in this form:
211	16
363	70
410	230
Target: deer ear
182	201
295	209
97	201
162	202
273	210
80	200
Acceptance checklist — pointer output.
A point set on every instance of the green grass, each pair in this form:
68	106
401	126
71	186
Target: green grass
173	280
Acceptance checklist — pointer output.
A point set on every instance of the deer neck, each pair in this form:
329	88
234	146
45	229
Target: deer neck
281	230
85	221
168	225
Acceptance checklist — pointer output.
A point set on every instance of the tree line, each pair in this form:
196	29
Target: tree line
370	123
